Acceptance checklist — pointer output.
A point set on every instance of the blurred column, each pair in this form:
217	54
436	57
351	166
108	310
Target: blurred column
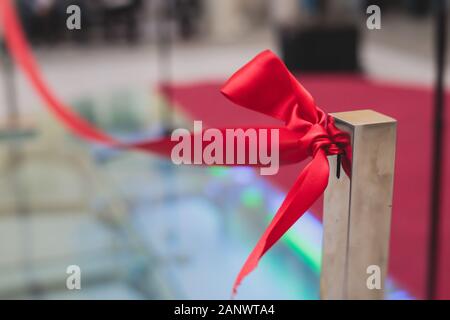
225	19
285	13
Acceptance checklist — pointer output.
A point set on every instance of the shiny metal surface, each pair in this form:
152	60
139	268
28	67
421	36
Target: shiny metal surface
357	211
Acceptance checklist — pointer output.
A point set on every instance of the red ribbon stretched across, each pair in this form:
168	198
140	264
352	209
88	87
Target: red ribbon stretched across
263	85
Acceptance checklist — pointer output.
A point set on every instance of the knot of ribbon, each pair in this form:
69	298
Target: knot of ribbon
320	138
263	85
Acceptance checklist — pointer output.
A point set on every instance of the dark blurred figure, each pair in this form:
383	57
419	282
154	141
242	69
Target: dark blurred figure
121	15
40	19
187	14
419	8
416	8
83	35
44	21
319	35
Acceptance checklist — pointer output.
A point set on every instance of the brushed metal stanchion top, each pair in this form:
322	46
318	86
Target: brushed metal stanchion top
357	211
362	118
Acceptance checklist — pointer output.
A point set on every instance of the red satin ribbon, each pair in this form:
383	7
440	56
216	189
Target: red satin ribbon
263	85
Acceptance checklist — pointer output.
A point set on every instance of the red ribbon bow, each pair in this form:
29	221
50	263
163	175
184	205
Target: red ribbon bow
263	85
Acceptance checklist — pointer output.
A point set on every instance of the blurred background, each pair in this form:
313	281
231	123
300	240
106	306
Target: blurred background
140	227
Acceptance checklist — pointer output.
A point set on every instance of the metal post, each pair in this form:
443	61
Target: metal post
438	151
165	15
357	211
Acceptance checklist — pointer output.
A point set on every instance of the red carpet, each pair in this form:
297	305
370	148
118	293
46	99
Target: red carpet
412	107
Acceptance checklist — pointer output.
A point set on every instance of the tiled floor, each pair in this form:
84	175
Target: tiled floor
148	229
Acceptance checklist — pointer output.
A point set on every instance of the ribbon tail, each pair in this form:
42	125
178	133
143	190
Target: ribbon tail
307	189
